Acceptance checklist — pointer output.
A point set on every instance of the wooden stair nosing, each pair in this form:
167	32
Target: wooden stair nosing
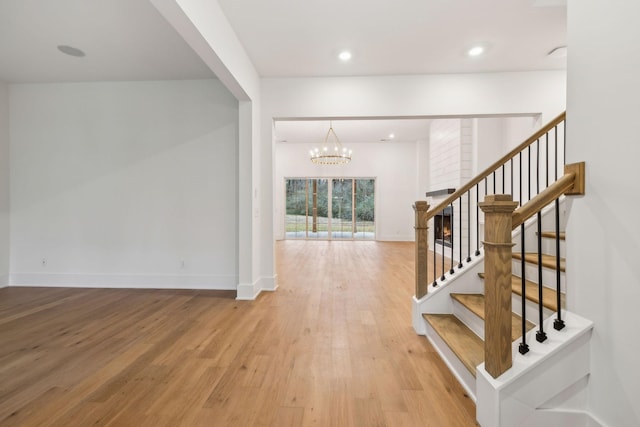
549	296
464	343
548	261
475	304
552	235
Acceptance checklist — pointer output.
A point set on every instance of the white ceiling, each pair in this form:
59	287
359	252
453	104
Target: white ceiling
130	40
302	38
122	39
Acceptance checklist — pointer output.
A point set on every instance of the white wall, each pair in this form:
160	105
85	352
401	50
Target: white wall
490	143
4	184
116	184
423	176
603	272
207	30
494	138
393	165
428	95
445	154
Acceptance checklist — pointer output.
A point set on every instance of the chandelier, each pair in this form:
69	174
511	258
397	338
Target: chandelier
330	154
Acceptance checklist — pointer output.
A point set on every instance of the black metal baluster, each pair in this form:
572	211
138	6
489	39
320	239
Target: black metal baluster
546	167
564	143
442	278
511	188
477	219
435	265
556	157
460	231
503	178
494	182
523	347
529	172
558	323
520	194
541	336
469	227
537	166
451	270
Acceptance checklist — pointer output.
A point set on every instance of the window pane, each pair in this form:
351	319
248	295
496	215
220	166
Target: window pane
317	208
365	209
341	209
296	210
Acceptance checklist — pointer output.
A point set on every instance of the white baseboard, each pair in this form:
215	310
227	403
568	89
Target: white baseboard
270	283
250	291
395	238
4	281
142	281
561	418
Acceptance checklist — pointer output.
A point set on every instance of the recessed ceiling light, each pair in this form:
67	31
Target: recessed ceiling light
476	51
391	136
72	51
345	55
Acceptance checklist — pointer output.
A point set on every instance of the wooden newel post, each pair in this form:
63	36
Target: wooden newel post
422	248
497	243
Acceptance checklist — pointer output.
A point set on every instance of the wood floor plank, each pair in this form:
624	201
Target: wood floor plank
333	345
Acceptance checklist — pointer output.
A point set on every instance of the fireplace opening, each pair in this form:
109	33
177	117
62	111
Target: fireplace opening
443	226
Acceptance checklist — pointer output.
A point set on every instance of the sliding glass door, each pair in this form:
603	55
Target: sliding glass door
364	215
341	208
333	208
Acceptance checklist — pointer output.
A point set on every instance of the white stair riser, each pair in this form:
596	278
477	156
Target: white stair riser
531	308
470	319
549	247
461	373
531	244
531	273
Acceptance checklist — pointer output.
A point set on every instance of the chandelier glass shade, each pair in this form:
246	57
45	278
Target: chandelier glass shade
330	153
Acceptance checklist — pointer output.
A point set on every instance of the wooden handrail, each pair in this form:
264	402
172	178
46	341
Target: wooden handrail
573	179
541	200
488	171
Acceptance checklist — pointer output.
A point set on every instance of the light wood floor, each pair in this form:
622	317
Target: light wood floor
333	346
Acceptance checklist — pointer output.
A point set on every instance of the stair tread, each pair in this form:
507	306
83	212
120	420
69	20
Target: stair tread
549	296
475	304
548	261
465	344
552	235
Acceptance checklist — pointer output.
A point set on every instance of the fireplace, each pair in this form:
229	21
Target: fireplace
443	223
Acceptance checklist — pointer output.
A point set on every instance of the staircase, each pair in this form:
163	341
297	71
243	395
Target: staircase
463	329
497	315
